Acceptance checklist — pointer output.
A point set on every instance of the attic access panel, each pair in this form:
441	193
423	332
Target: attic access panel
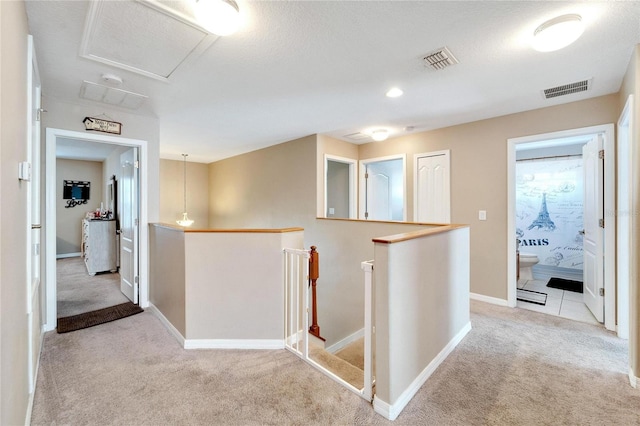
146	37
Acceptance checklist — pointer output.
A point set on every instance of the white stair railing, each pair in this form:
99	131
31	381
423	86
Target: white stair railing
369	330
296	272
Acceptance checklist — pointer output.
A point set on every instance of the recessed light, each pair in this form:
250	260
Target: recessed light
557	33
380	135
394	92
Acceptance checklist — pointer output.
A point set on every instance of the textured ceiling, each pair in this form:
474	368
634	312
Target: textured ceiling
301	67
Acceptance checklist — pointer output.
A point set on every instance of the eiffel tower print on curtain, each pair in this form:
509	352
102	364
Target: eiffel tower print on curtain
543	221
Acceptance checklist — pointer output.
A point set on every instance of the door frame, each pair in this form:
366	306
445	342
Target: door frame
609	206
626	129
416	158
52	135
361	182
353	186
34	211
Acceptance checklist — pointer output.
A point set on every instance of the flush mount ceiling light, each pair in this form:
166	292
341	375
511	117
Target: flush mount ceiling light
557	33
394	92
380	135
221	17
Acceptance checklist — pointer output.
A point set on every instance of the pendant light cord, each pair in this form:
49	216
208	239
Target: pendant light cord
185	180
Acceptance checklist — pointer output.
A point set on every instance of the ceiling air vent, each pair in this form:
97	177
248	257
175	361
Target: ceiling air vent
567	89
440	59
357	136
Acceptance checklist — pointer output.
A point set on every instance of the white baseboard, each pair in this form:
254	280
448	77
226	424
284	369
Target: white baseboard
234	344
488	299
391	411
66	255
27	420
633	380
215	343
345	342
174	331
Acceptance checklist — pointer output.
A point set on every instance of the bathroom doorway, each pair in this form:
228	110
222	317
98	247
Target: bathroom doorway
556	146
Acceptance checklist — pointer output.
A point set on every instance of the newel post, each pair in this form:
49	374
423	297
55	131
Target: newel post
314	274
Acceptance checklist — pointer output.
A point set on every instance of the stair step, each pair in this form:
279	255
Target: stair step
341	368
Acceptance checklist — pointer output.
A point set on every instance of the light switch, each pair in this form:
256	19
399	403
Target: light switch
482	215
332	210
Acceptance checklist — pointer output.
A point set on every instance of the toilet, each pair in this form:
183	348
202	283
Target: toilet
527	260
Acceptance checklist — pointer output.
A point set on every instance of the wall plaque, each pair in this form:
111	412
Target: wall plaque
100	125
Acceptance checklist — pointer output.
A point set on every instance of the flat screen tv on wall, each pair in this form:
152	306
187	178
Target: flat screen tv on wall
76	190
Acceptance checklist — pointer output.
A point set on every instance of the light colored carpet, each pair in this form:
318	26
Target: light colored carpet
79	292
515	367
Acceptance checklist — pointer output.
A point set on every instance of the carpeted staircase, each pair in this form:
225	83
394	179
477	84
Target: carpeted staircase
347	363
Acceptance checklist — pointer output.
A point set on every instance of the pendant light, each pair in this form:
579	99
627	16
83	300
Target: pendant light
185	221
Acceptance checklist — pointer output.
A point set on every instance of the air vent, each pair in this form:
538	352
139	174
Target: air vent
567	89
357	136
440	59
111	95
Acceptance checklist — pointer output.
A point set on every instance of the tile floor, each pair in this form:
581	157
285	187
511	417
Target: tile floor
562	303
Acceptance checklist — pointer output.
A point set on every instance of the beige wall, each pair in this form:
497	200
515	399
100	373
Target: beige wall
14	392
68	220
273	187
167	265
422	306
234	285
479	174
172	192
276	187
630	86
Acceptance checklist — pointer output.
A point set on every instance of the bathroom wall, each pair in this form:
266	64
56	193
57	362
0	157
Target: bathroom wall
549	204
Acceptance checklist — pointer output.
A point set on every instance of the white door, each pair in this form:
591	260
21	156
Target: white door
593	231
383	187
128	206
378	194
34	314
432	201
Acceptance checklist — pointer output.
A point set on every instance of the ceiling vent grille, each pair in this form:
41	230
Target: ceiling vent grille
567	89
111	95
357	136
440	59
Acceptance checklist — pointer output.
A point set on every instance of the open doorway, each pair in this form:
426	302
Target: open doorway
550	228
340	187
110	151
383	188
88	221
607	260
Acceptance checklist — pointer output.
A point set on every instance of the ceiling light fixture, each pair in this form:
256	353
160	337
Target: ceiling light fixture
380	135
185	221
221	17
557	33
394	92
